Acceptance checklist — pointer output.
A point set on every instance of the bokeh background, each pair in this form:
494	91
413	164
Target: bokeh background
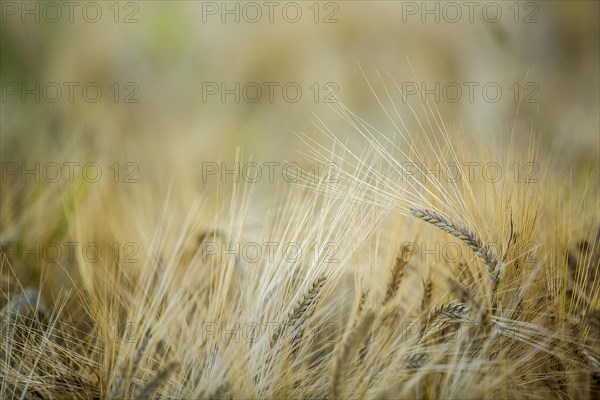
167	56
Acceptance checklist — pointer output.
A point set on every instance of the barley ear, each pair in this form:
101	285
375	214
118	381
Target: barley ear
150	389
130	369
347	350
483	316
301	313
471	239
397	273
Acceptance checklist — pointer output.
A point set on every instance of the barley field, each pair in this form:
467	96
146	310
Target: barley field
300	200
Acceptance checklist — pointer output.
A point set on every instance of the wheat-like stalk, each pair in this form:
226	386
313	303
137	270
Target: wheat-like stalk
151	387
439	317
427	291
484	318
347	350
415	361
396	275
591	347
361	304
468	236
300	313
130	369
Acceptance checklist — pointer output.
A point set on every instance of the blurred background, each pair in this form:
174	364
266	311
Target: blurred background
160	87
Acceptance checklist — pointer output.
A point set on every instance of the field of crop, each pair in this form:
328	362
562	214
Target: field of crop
307	200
